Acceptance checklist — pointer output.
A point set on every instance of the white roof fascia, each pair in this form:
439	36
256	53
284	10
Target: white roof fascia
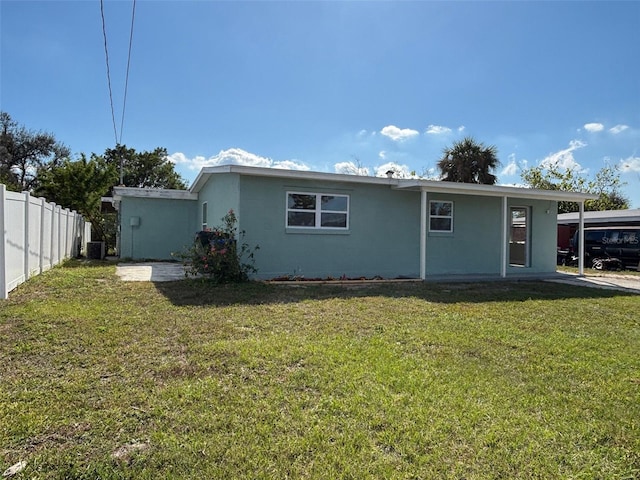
169	194
603	216
396	183
460	188
293	174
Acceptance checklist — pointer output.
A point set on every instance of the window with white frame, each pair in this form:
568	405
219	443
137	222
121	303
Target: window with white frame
440	216
204	215
317	210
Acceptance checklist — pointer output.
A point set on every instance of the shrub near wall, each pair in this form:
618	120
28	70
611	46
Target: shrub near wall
220	255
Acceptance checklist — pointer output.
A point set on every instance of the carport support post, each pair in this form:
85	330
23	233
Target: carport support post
581	239
505	238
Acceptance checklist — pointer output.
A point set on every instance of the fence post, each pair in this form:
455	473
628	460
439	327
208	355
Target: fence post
4	294
64	232
86	237
53	235
58	233
27	201
42	224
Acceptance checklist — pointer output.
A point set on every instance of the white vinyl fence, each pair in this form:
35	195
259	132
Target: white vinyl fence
36	235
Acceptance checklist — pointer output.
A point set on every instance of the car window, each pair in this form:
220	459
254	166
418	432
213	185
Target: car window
594	236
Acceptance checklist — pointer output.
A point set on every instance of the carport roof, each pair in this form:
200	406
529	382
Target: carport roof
605	216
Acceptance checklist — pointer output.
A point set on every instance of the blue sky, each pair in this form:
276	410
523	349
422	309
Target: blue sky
334	86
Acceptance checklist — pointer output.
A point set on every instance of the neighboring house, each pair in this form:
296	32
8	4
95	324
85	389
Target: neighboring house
568	223
328	225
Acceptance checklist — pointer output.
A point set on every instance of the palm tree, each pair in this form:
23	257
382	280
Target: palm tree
469	162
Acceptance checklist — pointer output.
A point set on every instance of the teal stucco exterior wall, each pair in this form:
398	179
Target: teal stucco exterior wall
474	246
221	193
544	236
383	238
153	228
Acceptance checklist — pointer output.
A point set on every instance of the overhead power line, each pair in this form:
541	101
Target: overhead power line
126	81
106	55
118	140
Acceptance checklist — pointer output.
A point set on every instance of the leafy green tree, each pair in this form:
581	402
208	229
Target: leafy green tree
606	184
79	185
468	161
24	153
144	169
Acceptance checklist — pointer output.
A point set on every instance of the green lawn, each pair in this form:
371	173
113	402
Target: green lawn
105	379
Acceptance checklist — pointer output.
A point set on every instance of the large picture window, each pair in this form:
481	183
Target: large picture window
440	216
317	210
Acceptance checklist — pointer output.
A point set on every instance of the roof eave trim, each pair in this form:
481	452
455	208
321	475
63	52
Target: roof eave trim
293	174
494	190
169	194
396	183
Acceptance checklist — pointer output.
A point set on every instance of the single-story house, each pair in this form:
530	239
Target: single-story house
323	225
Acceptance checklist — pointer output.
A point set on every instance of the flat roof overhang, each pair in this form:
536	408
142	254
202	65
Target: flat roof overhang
170	194
396	183
458	188
604	216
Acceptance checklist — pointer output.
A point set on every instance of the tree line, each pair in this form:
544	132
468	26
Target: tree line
35	162
472	162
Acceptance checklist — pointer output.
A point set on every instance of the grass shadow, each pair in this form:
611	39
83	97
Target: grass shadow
83	262
201	293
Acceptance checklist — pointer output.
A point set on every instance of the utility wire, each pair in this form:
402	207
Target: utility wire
106	54
126	82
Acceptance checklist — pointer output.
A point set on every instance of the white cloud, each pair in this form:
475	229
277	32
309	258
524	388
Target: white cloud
512	166
593	127
364	134
350	168
382	154
398	134
618	128
178	158
234	156
510	169
400	171
461	128
631	164
437	130
518	185
290	165
564	159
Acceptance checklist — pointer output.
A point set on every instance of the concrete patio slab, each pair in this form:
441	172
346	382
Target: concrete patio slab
151	272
